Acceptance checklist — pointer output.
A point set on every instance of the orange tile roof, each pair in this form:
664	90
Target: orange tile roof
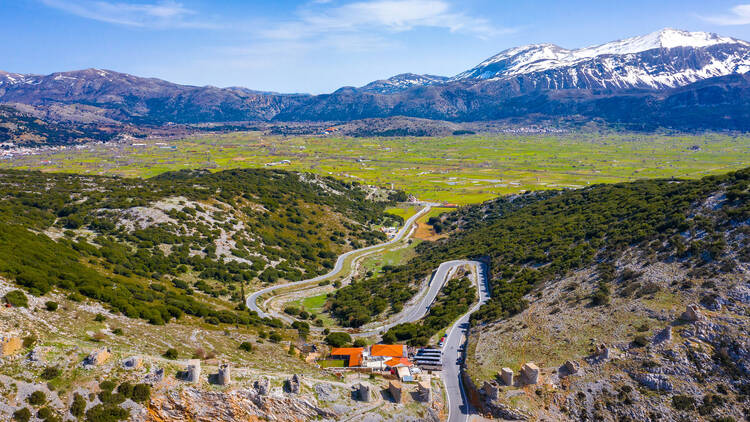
390	350
342	351
399	361
353	353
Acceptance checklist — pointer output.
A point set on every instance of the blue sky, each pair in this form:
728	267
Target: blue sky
319	45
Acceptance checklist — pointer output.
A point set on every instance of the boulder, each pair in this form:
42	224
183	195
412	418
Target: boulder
571	367
97	357
663	336
133	362
692	313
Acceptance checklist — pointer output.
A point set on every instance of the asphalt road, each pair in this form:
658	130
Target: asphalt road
252	300
459	408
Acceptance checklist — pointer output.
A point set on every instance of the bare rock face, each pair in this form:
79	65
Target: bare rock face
237	405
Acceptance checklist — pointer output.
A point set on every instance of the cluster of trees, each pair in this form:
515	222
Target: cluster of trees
537	237
130	270
454	300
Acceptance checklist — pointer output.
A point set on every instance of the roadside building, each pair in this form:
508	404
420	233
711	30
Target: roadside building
351	355
382	353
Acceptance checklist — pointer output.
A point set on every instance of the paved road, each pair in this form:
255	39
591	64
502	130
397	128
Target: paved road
252	300
459	408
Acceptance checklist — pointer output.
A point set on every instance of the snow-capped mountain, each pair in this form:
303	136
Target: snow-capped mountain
402	82
664	59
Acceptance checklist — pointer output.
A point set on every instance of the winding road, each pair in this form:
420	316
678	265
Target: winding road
459	408
252	300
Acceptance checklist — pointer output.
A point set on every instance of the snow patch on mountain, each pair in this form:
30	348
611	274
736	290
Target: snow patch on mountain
618	63
402	82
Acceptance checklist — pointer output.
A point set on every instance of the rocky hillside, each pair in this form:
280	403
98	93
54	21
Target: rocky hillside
633	299
146	247
22	129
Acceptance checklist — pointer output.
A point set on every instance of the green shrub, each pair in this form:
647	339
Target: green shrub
17	298
50	372
29	341
36	398
338	339
274	337
100	318
640	341
117	331
126	389
141	393
51	306
682	402
22	415
78	407
106	413
360	342
170	354
246	346
107	385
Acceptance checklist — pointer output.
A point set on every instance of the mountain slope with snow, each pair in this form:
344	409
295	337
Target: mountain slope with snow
664	59
402	82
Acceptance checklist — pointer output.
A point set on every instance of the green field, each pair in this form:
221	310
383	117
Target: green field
456	169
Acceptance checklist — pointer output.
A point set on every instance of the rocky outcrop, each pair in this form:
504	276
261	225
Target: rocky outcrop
237	405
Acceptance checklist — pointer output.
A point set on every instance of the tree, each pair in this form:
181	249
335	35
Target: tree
78	407
338	339
22	415
141	393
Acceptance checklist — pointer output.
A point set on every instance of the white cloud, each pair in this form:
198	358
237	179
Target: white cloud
738	15
163	14
380	15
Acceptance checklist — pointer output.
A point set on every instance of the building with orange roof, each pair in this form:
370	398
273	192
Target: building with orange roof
388	350
352	355
396	362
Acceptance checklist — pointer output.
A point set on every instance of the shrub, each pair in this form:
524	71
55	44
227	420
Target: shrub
682	402
29	341
36	398
360	342
22	415
170	354
106	413
100	318
246	346
126	389
338	339
274	337
17	298
640	341
78	407
141	393
107	385
50	372
51	306
117	331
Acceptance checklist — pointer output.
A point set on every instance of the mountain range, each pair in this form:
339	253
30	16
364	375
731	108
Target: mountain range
669	79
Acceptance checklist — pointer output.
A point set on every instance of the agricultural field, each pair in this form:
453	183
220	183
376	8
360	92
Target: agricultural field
455	169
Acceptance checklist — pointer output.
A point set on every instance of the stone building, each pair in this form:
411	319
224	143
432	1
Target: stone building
193	370
224	377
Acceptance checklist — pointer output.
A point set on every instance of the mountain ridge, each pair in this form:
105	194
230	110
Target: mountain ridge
527	81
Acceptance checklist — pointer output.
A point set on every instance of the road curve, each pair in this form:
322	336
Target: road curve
252	300
459	408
